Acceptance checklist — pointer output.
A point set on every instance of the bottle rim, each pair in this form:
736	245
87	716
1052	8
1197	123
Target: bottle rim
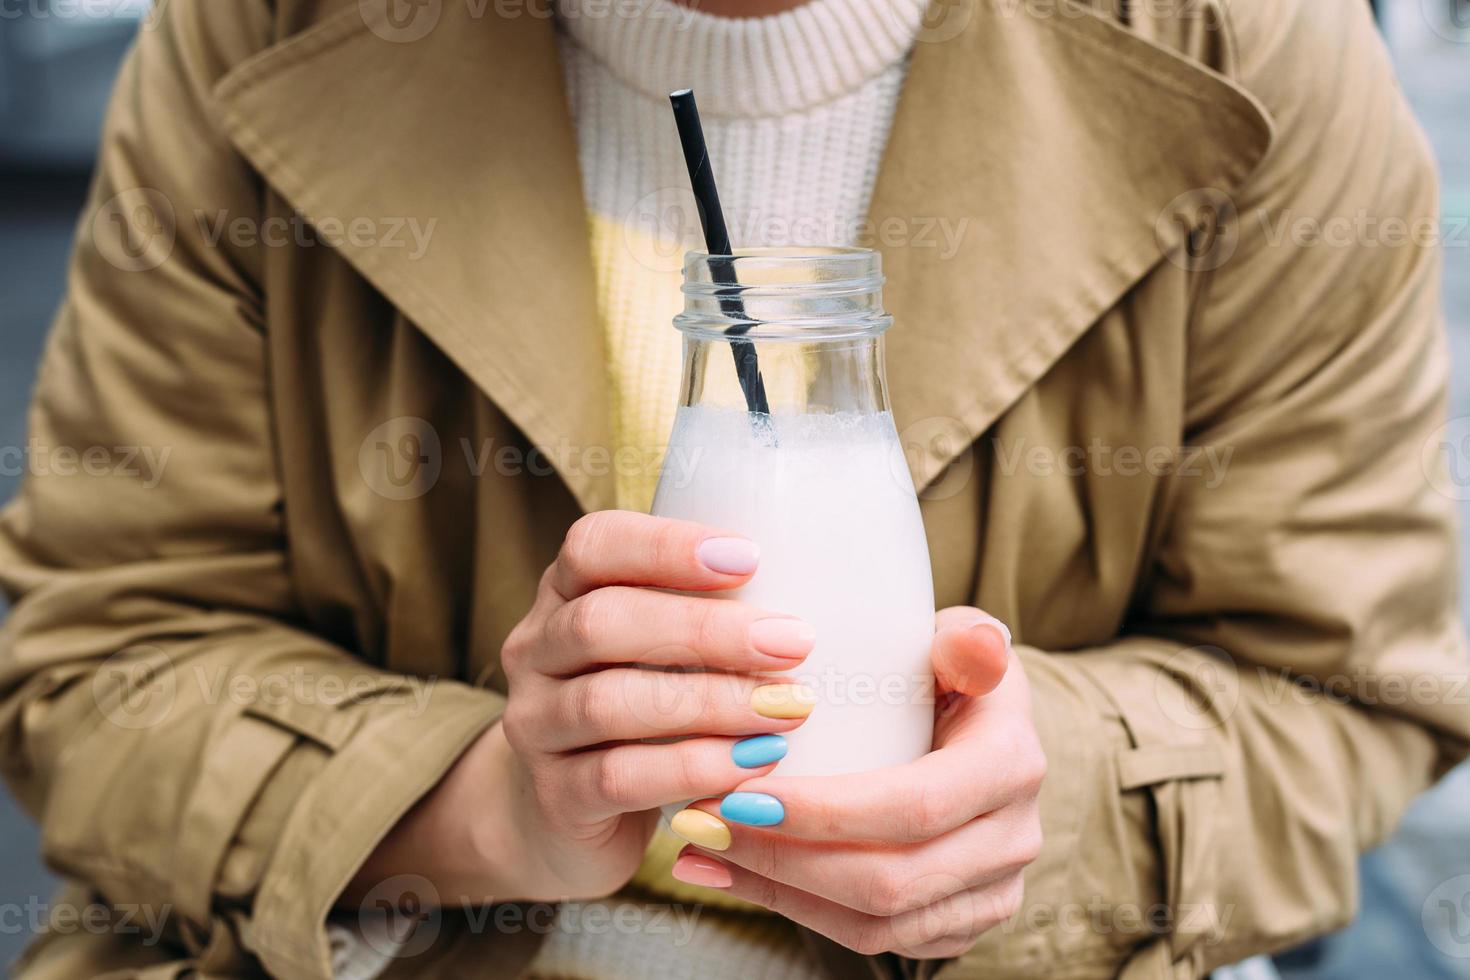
784	293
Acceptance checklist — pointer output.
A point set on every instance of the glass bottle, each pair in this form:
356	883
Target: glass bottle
817	480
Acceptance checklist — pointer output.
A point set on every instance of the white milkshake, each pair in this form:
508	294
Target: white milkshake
828	499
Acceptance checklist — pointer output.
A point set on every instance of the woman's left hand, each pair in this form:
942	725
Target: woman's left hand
918	859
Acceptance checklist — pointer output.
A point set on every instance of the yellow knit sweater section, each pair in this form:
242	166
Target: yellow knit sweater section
638	296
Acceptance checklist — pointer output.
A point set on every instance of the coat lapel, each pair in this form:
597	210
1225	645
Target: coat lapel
1063	143
1055	145
467	127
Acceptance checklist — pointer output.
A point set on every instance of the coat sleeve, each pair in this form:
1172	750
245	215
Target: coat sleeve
188	746
1295	672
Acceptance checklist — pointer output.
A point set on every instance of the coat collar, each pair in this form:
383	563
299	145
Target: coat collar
1055	143
1069	144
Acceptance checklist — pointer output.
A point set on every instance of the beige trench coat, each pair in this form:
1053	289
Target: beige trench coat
1131	282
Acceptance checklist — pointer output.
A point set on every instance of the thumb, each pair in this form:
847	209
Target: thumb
970	651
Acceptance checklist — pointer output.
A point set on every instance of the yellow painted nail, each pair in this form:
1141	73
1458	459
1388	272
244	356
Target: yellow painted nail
704	829
783	700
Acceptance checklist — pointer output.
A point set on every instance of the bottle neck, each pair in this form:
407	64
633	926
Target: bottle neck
787	294
812	319
820	377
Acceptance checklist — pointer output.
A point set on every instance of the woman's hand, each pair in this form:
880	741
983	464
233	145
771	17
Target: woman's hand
918	859
558	800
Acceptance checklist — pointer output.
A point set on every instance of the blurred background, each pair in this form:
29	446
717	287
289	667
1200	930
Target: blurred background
57	61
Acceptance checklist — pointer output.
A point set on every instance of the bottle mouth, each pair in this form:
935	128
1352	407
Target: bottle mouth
775	294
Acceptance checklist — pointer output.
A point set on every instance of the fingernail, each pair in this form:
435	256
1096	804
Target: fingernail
704	829
753	809
701	869
762	750
789	638
783	700
729	556
995	626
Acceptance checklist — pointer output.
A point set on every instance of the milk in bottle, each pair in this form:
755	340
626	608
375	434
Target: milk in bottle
819	484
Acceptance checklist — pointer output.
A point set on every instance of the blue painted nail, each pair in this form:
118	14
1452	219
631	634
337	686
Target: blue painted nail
753	809
762	750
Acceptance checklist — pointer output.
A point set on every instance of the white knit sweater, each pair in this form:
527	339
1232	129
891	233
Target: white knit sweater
796	110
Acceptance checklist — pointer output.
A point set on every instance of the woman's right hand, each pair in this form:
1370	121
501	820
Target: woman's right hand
560	798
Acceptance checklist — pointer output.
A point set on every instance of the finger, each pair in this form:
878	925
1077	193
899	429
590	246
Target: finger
946	926
622	625
618	547
623	704
914	802
887	881
640	776
970	651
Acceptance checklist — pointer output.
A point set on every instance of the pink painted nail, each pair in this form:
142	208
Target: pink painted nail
697	869
999	628
789	638
729	556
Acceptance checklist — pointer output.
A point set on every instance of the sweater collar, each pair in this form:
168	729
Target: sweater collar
751	66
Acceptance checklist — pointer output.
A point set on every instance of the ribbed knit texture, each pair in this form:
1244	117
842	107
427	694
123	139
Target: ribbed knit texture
796	110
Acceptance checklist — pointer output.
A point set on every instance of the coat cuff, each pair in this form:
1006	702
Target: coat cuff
1162	797
349	805
1129	817
1100	876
